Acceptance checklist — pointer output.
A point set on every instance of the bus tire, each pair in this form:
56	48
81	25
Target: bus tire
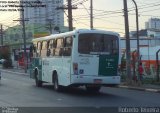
57	87
37	81
93	89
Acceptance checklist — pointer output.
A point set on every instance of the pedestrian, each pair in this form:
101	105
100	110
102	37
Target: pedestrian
140	69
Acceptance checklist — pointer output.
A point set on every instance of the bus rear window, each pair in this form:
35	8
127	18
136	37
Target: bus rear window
93	43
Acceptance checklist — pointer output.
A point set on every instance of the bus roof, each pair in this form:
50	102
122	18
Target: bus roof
74	32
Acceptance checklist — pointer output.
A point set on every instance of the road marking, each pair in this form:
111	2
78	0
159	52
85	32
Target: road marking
14	72
152	90
59	99
140	89
123	86
3	79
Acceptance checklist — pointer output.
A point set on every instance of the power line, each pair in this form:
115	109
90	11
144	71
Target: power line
147	3
119	11
150	10
112	22
85	9
143	6
81	22
79	3
70	7
151	6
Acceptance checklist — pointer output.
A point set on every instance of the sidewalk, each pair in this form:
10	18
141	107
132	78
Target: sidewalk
15	71
143	87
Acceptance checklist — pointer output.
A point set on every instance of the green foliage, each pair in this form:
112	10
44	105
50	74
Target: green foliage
151	81
148	80
5	54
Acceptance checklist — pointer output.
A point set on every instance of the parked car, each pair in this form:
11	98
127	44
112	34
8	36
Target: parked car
2	60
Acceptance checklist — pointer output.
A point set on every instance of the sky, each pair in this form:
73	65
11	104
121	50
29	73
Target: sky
108	14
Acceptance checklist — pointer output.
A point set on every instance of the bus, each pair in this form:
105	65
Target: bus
81	57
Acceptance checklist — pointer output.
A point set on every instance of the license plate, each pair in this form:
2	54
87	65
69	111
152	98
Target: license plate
97	81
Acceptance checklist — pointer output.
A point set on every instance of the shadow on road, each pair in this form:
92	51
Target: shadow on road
80	92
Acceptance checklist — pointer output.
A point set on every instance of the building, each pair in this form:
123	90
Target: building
146	33
142	34
154	33
43	12
143	42
153	23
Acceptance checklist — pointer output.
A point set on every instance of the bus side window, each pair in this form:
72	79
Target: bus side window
59	47
34	49
39	46
48	48
114	47
52	46
44	49
68	46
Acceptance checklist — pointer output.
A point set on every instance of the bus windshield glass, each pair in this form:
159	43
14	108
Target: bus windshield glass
93	43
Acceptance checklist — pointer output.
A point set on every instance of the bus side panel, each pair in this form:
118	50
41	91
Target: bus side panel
88	65
49	65
46	64
64	77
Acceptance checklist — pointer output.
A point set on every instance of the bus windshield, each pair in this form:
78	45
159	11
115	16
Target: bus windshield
93	43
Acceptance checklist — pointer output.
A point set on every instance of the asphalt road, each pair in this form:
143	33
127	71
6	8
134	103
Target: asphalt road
20	90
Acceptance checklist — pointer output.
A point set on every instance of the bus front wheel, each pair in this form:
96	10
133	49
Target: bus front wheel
38	82
94	89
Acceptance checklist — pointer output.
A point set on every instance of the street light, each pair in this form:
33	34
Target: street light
137	26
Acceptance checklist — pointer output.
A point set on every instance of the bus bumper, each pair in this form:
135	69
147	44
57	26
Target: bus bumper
103	80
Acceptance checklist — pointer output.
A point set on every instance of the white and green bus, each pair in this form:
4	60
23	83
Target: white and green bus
81	57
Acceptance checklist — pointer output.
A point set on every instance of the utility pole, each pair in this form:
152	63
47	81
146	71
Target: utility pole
70	18
91	15
1	34
137	26
70	15
128	60
24	38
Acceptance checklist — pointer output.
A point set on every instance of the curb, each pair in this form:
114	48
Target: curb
18	73
140	89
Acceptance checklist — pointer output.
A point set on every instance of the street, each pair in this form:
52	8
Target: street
20	90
